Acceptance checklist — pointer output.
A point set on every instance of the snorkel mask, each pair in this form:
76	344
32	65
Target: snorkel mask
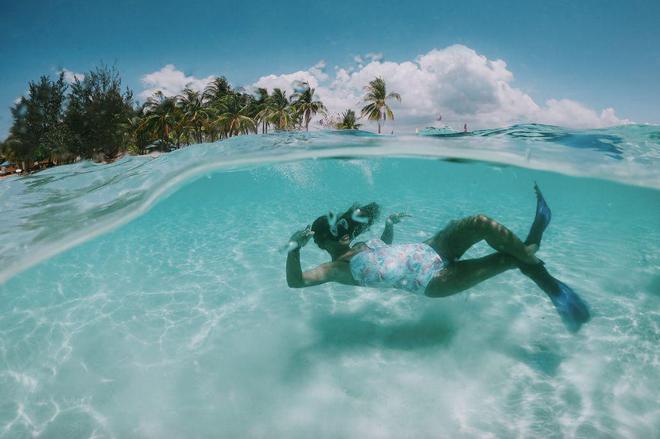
333	224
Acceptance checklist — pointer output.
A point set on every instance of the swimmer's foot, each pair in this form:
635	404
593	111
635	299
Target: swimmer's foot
541	221
531	252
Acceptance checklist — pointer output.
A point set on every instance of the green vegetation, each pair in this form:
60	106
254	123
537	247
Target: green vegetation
39	129
348	121
96	114
305	104
376	100
56	122
94	118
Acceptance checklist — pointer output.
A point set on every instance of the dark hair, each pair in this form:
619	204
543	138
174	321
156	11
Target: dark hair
353	222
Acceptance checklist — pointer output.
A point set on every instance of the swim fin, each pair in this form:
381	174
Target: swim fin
574	312
541	220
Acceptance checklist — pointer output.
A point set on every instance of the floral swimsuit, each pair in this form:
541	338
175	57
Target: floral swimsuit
408	267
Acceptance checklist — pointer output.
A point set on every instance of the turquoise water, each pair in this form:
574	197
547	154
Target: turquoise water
147	298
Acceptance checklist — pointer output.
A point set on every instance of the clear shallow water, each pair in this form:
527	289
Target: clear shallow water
179	322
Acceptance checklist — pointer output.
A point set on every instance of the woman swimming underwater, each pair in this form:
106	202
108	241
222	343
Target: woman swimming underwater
433	267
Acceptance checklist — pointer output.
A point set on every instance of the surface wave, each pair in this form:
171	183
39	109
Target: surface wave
56	209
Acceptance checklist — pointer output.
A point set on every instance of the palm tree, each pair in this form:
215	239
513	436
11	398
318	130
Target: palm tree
262	104
279	110
234	119
161	117
376	100
214	95
305	104
196	115
216	90
348	121
136	137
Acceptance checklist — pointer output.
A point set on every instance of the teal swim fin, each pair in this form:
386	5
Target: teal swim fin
541	220
574	312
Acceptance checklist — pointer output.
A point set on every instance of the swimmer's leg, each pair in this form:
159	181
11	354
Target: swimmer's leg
455	239
461	275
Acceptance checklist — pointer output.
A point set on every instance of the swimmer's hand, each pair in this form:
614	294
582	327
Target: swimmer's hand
396	218
299	239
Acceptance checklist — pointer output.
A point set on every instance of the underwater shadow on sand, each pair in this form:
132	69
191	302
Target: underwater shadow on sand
541	358
340	333
360	332
654	285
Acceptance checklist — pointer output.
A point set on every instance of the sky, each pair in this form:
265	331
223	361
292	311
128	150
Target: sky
587	63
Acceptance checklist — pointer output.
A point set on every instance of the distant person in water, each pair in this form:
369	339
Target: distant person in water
465	130
434	267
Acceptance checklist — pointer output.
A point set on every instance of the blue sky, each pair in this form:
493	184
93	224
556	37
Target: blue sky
598	53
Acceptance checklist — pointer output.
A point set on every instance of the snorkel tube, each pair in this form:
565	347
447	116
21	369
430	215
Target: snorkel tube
356	220
359	217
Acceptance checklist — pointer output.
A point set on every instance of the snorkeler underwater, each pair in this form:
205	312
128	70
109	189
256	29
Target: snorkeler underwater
431	268
330	220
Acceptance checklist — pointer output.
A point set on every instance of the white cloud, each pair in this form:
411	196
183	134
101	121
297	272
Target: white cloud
18	100
374	56
457	82
565	112
361	60
70	76
171	82
318	71
313	76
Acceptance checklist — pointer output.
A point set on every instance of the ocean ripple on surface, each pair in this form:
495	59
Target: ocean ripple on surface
58	208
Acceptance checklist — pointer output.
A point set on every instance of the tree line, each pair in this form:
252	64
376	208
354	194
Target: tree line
96	118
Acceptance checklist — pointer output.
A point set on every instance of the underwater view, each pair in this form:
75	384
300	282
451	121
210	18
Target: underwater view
148	297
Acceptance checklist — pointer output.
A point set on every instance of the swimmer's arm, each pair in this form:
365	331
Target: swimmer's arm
295	278
388	234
